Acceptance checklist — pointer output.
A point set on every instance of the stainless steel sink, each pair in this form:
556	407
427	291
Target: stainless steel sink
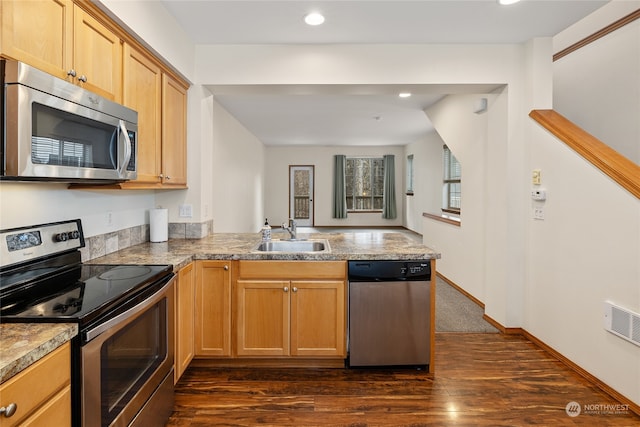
294	246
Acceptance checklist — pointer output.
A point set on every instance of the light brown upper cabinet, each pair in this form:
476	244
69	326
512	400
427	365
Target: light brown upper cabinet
68	43
174	132
142	92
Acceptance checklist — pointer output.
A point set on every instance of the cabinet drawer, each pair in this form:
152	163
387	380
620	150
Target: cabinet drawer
55	412
37	384
292	270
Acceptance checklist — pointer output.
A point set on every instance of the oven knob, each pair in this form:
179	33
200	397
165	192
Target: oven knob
74	234
62	237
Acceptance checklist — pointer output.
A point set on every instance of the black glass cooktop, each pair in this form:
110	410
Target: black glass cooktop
78	293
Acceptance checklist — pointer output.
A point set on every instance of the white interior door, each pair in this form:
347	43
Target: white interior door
301	195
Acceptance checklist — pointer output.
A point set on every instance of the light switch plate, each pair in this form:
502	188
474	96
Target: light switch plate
185	211
536	178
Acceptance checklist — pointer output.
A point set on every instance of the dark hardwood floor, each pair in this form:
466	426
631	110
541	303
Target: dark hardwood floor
480	380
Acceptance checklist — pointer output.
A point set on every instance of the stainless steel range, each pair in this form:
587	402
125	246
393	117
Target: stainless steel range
122	359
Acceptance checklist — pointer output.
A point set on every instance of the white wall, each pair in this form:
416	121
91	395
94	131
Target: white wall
238	176
101	211
607	111
585	252
463	247
427	178
278	160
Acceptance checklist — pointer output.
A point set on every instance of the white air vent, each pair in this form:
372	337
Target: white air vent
622	322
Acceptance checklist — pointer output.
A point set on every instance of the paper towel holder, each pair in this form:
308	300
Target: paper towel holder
158	225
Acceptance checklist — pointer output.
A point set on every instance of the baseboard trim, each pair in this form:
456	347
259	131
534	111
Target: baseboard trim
633	407
501	328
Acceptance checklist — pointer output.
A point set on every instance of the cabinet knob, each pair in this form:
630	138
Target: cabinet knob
9	410
71	73
286	289
295	289
226	267
168	177
161	176
83	78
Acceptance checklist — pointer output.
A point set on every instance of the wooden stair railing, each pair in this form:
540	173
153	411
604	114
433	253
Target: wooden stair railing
609	161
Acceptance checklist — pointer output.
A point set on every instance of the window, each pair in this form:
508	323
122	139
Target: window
452	186
364	184
410	175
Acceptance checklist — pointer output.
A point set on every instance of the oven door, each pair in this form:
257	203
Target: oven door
48	137
127	365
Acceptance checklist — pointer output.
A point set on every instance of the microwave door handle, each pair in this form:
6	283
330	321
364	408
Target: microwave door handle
127	149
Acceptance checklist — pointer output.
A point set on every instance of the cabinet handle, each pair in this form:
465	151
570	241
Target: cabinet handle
286	289
226	267
295	289
83	78
9	410
71	73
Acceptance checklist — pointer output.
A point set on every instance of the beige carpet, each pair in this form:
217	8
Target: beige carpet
457	313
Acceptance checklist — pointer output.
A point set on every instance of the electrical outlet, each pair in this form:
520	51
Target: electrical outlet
185	211
109	219
538	213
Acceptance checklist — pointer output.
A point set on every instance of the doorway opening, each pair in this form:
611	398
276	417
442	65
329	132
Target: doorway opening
301	180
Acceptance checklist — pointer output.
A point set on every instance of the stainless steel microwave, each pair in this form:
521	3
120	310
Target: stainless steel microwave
53	130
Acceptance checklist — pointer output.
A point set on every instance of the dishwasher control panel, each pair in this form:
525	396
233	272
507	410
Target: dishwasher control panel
385	271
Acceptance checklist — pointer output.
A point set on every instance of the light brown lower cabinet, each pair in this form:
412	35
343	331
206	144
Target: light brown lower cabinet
290	318
291	308
270	309
41	393
213	308
184	320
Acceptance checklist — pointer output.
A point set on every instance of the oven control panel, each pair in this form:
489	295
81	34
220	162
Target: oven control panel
28	243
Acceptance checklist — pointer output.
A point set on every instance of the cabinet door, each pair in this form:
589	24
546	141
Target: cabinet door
184	320
174	132
97	56
213	308
318	318
262	324
142	91
39	33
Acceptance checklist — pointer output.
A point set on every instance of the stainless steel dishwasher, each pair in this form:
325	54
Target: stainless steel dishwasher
389	313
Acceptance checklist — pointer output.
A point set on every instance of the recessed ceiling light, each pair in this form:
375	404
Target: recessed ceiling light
314	18
507	2
404	94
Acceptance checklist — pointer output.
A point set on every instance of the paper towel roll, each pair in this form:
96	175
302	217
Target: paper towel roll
158	225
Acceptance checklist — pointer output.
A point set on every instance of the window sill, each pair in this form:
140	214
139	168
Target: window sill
446	218
371	211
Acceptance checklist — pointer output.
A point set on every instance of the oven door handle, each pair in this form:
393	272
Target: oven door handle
132	312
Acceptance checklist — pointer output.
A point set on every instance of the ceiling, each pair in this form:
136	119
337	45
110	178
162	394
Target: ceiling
359	115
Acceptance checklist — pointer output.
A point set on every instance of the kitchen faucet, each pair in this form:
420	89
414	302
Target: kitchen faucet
291	228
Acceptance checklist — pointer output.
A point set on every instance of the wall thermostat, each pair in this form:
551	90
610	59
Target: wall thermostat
538	194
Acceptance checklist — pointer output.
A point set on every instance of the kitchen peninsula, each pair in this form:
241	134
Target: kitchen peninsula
252	307
231	249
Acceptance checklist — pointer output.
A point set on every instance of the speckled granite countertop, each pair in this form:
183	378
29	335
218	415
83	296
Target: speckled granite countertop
235	246
22	344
